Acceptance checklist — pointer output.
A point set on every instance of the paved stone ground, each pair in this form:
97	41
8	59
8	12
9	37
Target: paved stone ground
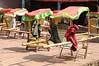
12	53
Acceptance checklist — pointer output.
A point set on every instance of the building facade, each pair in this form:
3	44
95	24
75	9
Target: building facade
53	4
10	3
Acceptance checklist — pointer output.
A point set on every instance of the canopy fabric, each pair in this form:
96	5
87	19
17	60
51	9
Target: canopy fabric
5	10
56	14
93	14
74	12
16	12
21	12
37	14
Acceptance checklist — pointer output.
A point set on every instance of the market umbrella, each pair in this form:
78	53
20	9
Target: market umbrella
74	12
37	14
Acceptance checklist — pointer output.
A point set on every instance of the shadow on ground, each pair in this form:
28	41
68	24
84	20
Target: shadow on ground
96	40
44	58
16	49
51	60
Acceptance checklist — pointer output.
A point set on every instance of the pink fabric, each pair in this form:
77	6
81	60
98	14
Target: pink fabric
57	12
6	10
36	12
72	10
93	12
11	11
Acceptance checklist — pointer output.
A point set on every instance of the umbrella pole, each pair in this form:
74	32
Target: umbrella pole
88	25
29	28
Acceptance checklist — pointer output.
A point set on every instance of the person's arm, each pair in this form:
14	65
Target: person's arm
76	26
82	26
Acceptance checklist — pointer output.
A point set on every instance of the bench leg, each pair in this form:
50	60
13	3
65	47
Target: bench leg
47	44
14	35
23	36
85	55
71	52
27	47
36	49
76	54
61	52
8	34
86	49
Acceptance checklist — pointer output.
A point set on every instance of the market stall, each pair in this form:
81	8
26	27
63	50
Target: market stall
10	19
33	21
71	13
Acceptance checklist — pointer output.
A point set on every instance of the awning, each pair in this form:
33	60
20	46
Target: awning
16	12
71	12
93	14
74	12
37	14
56	14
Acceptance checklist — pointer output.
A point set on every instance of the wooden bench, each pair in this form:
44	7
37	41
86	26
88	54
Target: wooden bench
36	44
83	45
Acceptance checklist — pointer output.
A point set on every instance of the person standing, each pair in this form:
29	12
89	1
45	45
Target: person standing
54	32
70	35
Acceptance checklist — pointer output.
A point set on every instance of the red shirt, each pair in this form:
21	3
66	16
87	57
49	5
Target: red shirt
70	35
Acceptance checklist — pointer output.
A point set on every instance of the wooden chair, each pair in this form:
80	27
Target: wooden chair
93	28
83	44
8	26
2	24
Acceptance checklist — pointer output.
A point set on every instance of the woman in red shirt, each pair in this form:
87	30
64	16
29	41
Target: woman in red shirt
70	35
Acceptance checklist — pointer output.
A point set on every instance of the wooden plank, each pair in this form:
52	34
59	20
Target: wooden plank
15	30
66	43
34	42
11	29
86	33
1	24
